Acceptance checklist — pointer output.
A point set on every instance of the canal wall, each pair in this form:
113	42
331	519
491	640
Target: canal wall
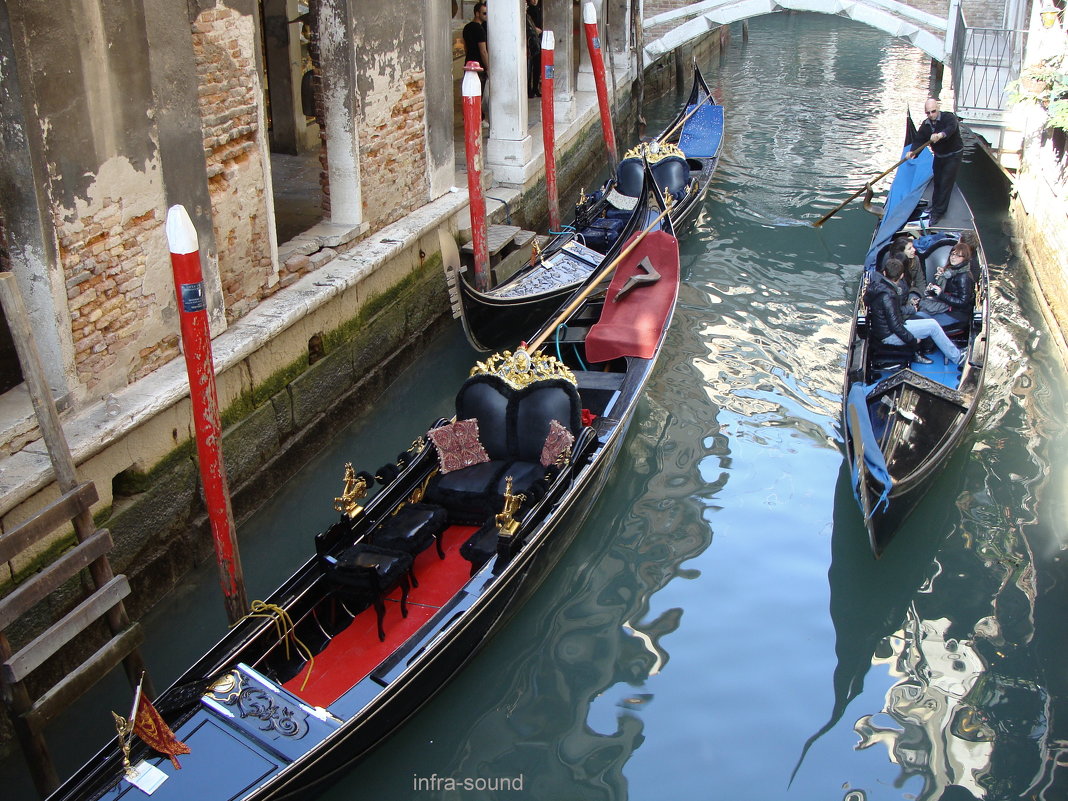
290	374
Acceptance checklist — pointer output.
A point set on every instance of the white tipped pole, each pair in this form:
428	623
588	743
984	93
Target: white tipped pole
181	235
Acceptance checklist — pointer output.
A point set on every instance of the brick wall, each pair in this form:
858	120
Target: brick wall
223	46
393	166
103	253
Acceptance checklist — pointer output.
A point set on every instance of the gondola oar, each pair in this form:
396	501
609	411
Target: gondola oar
864	188
592	285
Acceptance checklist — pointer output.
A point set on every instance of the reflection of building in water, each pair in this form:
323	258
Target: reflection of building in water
956	719
938	735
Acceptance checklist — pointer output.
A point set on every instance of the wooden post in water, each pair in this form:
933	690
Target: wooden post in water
548	126
196	341
593	42
471	88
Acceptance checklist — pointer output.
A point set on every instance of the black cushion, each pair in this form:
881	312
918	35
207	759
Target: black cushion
480	546
672	175
367	570
630	175
412	529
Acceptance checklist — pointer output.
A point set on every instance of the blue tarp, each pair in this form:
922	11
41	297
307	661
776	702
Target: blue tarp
864	436
910	181
703	132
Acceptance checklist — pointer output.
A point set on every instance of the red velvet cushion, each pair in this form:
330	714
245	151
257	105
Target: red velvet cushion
458	445
558	441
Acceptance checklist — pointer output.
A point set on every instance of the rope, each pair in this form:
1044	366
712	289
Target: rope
283	626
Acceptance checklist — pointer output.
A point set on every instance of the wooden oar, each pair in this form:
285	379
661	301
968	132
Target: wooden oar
682	122
861	191
592	285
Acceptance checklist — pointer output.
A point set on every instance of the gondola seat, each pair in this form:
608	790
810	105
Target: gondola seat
362	575
889	357
413	529
672	176
513	427
630	175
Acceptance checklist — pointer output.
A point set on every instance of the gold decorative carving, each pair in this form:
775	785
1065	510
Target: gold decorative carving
521	369
507	525
654	151
354	488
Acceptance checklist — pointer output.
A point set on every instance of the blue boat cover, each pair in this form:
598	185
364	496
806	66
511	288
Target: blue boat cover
702	133
910	181
874	461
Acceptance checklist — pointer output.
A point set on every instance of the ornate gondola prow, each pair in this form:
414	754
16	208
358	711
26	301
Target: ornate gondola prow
355	488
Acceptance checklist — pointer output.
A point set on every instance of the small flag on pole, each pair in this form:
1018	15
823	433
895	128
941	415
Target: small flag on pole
150	727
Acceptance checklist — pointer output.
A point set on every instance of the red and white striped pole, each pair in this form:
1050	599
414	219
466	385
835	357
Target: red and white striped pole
593	42
196	344
471	88
548	126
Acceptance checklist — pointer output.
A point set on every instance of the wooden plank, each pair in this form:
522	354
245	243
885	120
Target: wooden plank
497	237
64	630
59	512
35	589
75	684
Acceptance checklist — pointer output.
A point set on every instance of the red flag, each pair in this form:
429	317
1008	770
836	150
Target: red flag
150	727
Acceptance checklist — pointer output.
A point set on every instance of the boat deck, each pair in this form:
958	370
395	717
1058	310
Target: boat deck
355	651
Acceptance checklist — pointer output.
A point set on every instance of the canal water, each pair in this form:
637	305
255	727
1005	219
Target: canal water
719	629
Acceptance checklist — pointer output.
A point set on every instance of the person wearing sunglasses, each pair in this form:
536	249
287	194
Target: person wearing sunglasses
941	132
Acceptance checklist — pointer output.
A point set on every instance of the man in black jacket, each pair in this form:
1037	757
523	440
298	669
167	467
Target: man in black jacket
887	323
941	130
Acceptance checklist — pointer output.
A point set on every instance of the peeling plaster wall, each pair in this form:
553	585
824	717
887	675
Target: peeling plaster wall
224	47
390	88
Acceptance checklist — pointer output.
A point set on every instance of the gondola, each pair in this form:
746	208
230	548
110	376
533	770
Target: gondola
901	419
683	159
407	585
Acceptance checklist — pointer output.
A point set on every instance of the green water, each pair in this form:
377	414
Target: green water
719	629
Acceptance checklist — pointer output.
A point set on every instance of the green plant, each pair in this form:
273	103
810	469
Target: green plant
1046	83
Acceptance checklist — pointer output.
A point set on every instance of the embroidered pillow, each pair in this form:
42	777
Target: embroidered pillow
458	445
556	443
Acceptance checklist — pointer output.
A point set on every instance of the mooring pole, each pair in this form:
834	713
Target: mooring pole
196	343
471	89
548	126
593	42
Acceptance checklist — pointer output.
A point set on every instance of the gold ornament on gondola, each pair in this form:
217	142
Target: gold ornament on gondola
354	489
506	522
654	151
521	369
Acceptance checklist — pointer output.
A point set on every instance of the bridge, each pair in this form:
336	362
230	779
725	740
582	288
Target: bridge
669	29
983	60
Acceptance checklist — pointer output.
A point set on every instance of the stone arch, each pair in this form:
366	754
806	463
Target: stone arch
925	31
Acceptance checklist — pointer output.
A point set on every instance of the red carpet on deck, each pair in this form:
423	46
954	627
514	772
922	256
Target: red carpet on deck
633	325
356	651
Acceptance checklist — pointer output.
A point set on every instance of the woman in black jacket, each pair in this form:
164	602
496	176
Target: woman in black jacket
887	323
951	296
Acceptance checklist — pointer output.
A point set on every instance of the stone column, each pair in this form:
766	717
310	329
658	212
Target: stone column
441	156
339	107
510	148
559	18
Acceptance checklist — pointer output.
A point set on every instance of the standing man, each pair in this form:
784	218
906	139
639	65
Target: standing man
475	48
534	24
941	130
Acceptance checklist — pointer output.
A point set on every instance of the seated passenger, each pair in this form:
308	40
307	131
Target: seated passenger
903	247
888	324
950	297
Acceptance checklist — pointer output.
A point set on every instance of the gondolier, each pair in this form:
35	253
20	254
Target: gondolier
940	130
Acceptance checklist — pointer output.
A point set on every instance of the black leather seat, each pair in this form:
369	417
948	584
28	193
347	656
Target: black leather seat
513	425
413	529
630	175
672	176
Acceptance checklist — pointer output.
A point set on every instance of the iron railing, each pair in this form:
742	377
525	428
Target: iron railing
984	61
